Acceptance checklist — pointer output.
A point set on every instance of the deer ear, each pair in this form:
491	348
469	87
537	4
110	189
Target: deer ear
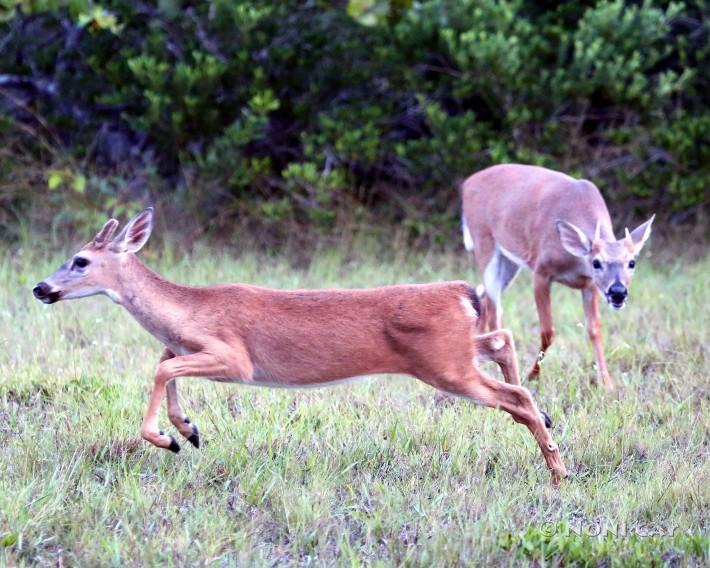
135	234
106	232
640	234
573	239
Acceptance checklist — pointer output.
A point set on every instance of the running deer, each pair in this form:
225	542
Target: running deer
517	216
258	336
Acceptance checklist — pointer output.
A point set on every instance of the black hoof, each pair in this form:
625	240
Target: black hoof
547	419
194	438
174	446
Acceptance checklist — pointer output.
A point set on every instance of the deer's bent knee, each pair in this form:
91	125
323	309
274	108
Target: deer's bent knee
594	332
507	337
525	397
163	373
547	335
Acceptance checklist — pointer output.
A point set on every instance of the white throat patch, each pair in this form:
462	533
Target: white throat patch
113	295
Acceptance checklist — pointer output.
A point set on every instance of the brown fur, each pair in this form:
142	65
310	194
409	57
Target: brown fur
516	209
248	334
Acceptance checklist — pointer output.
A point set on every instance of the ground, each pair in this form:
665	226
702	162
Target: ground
382	472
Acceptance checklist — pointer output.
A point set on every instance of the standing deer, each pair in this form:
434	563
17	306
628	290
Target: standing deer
517	216
257	336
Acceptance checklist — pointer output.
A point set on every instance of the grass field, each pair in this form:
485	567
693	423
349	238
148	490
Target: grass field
382	472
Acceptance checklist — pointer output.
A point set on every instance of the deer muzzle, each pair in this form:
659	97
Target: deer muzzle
616	295
45	293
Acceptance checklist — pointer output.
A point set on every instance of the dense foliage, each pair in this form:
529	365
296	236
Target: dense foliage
298	113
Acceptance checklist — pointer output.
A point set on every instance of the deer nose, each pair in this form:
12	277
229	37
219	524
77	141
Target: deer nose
618	292
41	290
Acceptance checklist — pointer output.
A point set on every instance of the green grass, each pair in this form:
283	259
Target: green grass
383	472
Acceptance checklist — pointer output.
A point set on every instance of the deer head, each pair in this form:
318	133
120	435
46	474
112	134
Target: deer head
611	264
95	268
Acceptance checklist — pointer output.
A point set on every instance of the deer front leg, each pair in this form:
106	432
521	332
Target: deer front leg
175	413
590	299
177	416
232	364
541	287
499	347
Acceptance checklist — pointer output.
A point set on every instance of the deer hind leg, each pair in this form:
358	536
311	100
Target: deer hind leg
499	347
497	276
232	364
590	299
544	312
517	402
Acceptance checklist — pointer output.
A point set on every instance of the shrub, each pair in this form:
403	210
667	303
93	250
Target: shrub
303	111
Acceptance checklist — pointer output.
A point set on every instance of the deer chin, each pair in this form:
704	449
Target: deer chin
83	293
51	297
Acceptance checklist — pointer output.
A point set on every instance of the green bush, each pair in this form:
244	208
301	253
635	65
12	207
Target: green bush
307	112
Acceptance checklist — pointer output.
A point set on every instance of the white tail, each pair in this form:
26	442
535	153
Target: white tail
251	335
517	216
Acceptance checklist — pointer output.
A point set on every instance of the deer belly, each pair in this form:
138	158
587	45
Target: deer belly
290	383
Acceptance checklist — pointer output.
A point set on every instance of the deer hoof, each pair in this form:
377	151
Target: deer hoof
194	438
174	446
546	419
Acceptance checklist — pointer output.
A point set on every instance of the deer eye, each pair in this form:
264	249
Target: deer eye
632	264
596	264
80	262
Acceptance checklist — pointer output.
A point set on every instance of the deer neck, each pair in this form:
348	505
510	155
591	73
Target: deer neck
155	302
606	232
